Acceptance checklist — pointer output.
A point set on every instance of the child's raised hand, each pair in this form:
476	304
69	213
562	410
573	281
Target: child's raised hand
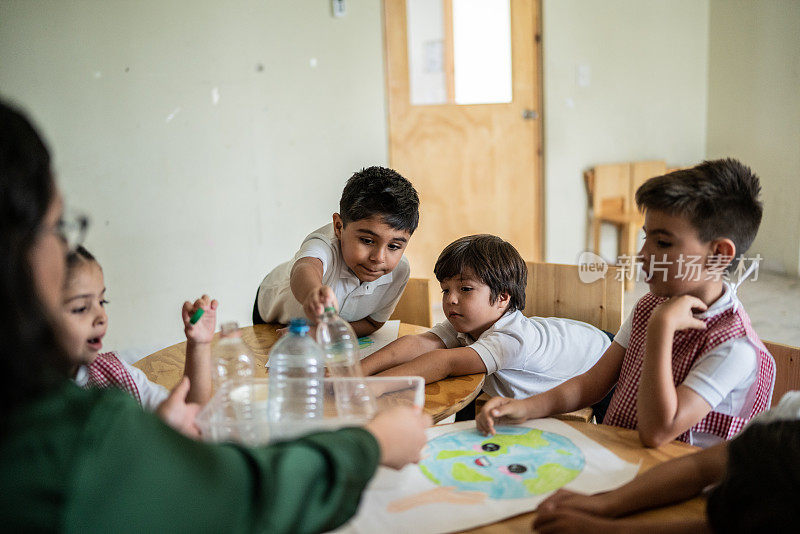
178	413
400	432
203	330
317	300
500	409
676	313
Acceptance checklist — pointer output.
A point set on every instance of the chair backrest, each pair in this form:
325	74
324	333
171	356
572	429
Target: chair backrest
610	189
556	290
414	306
641	171
787	368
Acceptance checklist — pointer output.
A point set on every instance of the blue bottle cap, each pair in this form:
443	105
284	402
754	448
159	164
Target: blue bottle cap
298	325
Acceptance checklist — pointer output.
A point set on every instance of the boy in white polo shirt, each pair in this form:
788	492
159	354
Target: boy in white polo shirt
355	264
483	281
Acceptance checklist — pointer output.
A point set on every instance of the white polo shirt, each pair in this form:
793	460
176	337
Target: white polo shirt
357	299
525	356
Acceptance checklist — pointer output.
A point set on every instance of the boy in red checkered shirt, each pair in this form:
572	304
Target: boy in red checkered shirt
686	362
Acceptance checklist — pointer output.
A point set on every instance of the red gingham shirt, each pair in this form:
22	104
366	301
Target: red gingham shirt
106	371
687	347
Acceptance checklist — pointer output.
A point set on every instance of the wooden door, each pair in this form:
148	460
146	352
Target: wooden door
477	167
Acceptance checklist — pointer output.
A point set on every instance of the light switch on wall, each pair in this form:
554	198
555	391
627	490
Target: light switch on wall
338	8
583	76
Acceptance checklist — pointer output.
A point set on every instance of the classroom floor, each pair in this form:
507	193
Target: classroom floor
772	301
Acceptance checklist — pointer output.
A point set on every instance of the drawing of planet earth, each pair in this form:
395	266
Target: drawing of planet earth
516	462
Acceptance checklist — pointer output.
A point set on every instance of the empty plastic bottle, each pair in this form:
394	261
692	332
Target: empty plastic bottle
340	343
233	370
295	392
233	359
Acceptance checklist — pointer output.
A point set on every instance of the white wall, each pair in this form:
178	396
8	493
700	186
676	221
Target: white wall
646	99
754	112
188	193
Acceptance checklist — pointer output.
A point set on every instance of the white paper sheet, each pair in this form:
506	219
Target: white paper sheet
379	338
532	463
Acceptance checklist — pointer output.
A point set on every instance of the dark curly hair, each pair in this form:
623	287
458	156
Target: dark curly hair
31	358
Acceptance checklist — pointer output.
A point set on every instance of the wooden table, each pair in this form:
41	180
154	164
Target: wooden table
442	398
625	444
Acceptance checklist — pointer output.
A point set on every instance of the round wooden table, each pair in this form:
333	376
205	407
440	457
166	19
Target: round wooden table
442	398
625	444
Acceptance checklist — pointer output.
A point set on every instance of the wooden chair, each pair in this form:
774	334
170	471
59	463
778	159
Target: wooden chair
787	369
556	290
612	191
415	303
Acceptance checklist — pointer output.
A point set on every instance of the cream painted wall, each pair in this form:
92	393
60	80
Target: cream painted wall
754	112
646	99
204	138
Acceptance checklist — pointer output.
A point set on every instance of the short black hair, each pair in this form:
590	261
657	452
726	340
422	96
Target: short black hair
494	261
719	198
761	486
380	191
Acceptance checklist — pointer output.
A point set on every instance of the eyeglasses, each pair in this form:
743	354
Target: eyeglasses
72	228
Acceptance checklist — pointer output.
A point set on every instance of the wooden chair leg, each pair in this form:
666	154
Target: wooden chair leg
596	234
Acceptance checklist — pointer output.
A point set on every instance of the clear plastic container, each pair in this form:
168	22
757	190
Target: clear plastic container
219	422
340	343
296	370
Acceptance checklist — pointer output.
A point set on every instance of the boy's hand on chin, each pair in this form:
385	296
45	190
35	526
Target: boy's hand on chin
677	313
178	413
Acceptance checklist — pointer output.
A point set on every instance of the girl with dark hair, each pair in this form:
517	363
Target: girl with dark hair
86	323
91	460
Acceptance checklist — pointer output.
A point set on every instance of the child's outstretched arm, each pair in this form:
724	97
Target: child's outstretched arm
574	522
665	411
439	364
400	351
578	392
669	482
307	288
198	347
365	326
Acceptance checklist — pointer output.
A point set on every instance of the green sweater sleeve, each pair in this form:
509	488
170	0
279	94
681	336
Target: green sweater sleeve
133	473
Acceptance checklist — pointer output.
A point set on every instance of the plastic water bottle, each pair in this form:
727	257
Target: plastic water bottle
233	370
340	343
295	392
233	359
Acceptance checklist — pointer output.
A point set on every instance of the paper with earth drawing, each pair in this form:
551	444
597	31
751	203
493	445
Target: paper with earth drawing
466	479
